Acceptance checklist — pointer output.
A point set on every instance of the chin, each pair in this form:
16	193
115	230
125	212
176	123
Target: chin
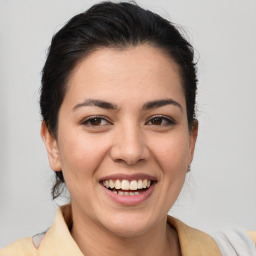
128	231
128	226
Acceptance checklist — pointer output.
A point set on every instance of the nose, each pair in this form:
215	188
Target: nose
129	146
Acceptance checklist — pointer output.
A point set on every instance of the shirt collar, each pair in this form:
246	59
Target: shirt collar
194	242
58	240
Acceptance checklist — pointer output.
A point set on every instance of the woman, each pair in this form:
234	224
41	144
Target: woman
118	107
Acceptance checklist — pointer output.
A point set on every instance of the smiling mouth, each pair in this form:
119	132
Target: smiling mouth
128	187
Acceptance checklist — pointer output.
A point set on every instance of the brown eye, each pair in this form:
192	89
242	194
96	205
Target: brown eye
95	121
160	121
157	121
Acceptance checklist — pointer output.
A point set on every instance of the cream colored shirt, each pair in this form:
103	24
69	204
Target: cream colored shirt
57	241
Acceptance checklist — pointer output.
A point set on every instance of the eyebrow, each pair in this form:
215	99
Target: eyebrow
97	103
147	106
161	103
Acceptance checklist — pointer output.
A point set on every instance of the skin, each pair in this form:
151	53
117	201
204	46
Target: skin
127	140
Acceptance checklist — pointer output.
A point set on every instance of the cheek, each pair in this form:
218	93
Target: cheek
172	153
80	157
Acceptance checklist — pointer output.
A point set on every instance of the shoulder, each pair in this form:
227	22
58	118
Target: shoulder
22	247
236	242
230	242
252	235
193	241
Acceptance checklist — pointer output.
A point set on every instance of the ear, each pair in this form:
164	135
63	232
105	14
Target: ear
193	137
51	147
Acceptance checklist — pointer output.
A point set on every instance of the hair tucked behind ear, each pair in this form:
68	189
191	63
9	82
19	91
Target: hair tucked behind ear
114	25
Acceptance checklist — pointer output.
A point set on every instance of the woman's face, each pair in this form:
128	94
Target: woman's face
123	142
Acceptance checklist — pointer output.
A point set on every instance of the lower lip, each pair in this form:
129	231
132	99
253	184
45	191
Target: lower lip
130	200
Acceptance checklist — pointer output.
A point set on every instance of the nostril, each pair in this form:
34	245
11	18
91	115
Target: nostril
128	154
128	146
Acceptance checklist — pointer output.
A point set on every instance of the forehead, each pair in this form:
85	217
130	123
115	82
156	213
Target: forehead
141	71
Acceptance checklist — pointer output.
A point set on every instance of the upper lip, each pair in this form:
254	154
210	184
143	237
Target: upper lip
121	176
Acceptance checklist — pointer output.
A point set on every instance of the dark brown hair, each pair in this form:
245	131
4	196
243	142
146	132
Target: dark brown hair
115	25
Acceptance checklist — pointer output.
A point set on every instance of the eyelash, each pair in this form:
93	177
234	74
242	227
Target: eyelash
168	121
88	121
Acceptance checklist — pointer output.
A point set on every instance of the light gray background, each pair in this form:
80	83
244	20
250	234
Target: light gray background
219	192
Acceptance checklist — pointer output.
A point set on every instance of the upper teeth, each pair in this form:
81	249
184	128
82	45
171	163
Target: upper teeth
126	184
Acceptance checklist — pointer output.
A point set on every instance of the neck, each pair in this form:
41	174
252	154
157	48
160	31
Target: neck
94	240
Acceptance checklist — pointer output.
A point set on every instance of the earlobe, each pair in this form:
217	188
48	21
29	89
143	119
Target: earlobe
51	148
193	137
